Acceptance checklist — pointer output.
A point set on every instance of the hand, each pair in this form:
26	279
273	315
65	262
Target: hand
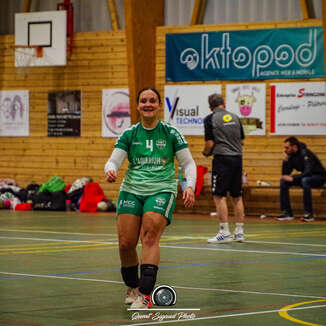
285	157
287	178
111	176
188	197
206	153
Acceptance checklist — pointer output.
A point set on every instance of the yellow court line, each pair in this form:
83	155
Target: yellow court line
284	313
62	250
55	247
58	245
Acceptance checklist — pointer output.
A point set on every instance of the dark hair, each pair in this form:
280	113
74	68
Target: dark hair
149	89
292	140
215	100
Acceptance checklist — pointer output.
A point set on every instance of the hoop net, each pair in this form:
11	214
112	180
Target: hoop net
28	55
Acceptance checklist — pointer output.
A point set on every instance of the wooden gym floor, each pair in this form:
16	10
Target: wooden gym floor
62	269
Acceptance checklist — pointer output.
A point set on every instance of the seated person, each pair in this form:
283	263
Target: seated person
313	175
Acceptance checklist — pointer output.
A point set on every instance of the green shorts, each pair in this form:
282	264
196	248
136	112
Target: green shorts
162	202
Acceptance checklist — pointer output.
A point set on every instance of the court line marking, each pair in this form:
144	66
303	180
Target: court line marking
62	240
222	316
178	247
286	243
247	251
284	313
163	237
174	286
57	232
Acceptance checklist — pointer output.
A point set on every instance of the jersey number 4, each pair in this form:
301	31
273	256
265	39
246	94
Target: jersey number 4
149	144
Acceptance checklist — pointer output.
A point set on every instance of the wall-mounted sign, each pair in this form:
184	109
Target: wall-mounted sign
64	112
14	113
298	108
115	111
245	55
248	101
186	106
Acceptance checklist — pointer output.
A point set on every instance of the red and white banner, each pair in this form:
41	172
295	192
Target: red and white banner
298	108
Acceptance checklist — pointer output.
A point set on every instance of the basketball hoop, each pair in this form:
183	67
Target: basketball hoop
27	55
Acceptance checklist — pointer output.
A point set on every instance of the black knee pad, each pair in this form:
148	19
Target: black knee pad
147	278
130	276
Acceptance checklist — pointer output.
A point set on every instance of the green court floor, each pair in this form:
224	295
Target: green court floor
62	268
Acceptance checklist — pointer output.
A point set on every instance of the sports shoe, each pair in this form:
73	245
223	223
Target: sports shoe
239	237
221	238
131	295
285	217
307	218
142	301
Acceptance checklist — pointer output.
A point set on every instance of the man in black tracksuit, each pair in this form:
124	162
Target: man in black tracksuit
313	175
223	138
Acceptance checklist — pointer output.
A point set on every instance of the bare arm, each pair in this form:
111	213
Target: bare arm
208	148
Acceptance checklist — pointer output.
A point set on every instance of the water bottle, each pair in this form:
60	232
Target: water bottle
263	183
244	178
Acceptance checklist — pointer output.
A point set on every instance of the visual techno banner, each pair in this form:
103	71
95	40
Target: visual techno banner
245	55
186	106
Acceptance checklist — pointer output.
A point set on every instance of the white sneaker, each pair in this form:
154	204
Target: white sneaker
131	295
221	238
142	301
239	237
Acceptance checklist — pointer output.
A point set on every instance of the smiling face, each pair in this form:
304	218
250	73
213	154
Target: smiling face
148	105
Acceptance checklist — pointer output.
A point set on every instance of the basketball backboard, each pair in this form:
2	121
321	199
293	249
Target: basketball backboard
40	30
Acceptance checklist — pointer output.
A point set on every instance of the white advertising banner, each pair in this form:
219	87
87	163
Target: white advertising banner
14	113
115	112
186	106
298	108
248	101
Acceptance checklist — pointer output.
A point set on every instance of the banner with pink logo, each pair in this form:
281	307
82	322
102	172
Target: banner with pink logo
298	108
115	112
248	101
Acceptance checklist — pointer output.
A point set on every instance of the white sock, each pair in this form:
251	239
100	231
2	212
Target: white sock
238	228
224	228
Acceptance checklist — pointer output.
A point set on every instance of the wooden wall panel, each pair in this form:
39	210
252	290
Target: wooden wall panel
99	61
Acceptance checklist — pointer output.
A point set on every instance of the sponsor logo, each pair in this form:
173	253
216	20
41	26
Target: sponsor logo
183	116
127	203
160	201
302	93
160	143
241	57
227	118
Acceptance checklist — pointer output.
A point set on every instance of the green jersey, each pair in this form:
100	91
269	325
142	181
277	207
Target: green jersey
151	158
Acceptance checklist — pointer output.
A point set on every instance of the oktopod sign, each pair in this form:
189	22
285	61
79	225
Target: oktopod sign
245	55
